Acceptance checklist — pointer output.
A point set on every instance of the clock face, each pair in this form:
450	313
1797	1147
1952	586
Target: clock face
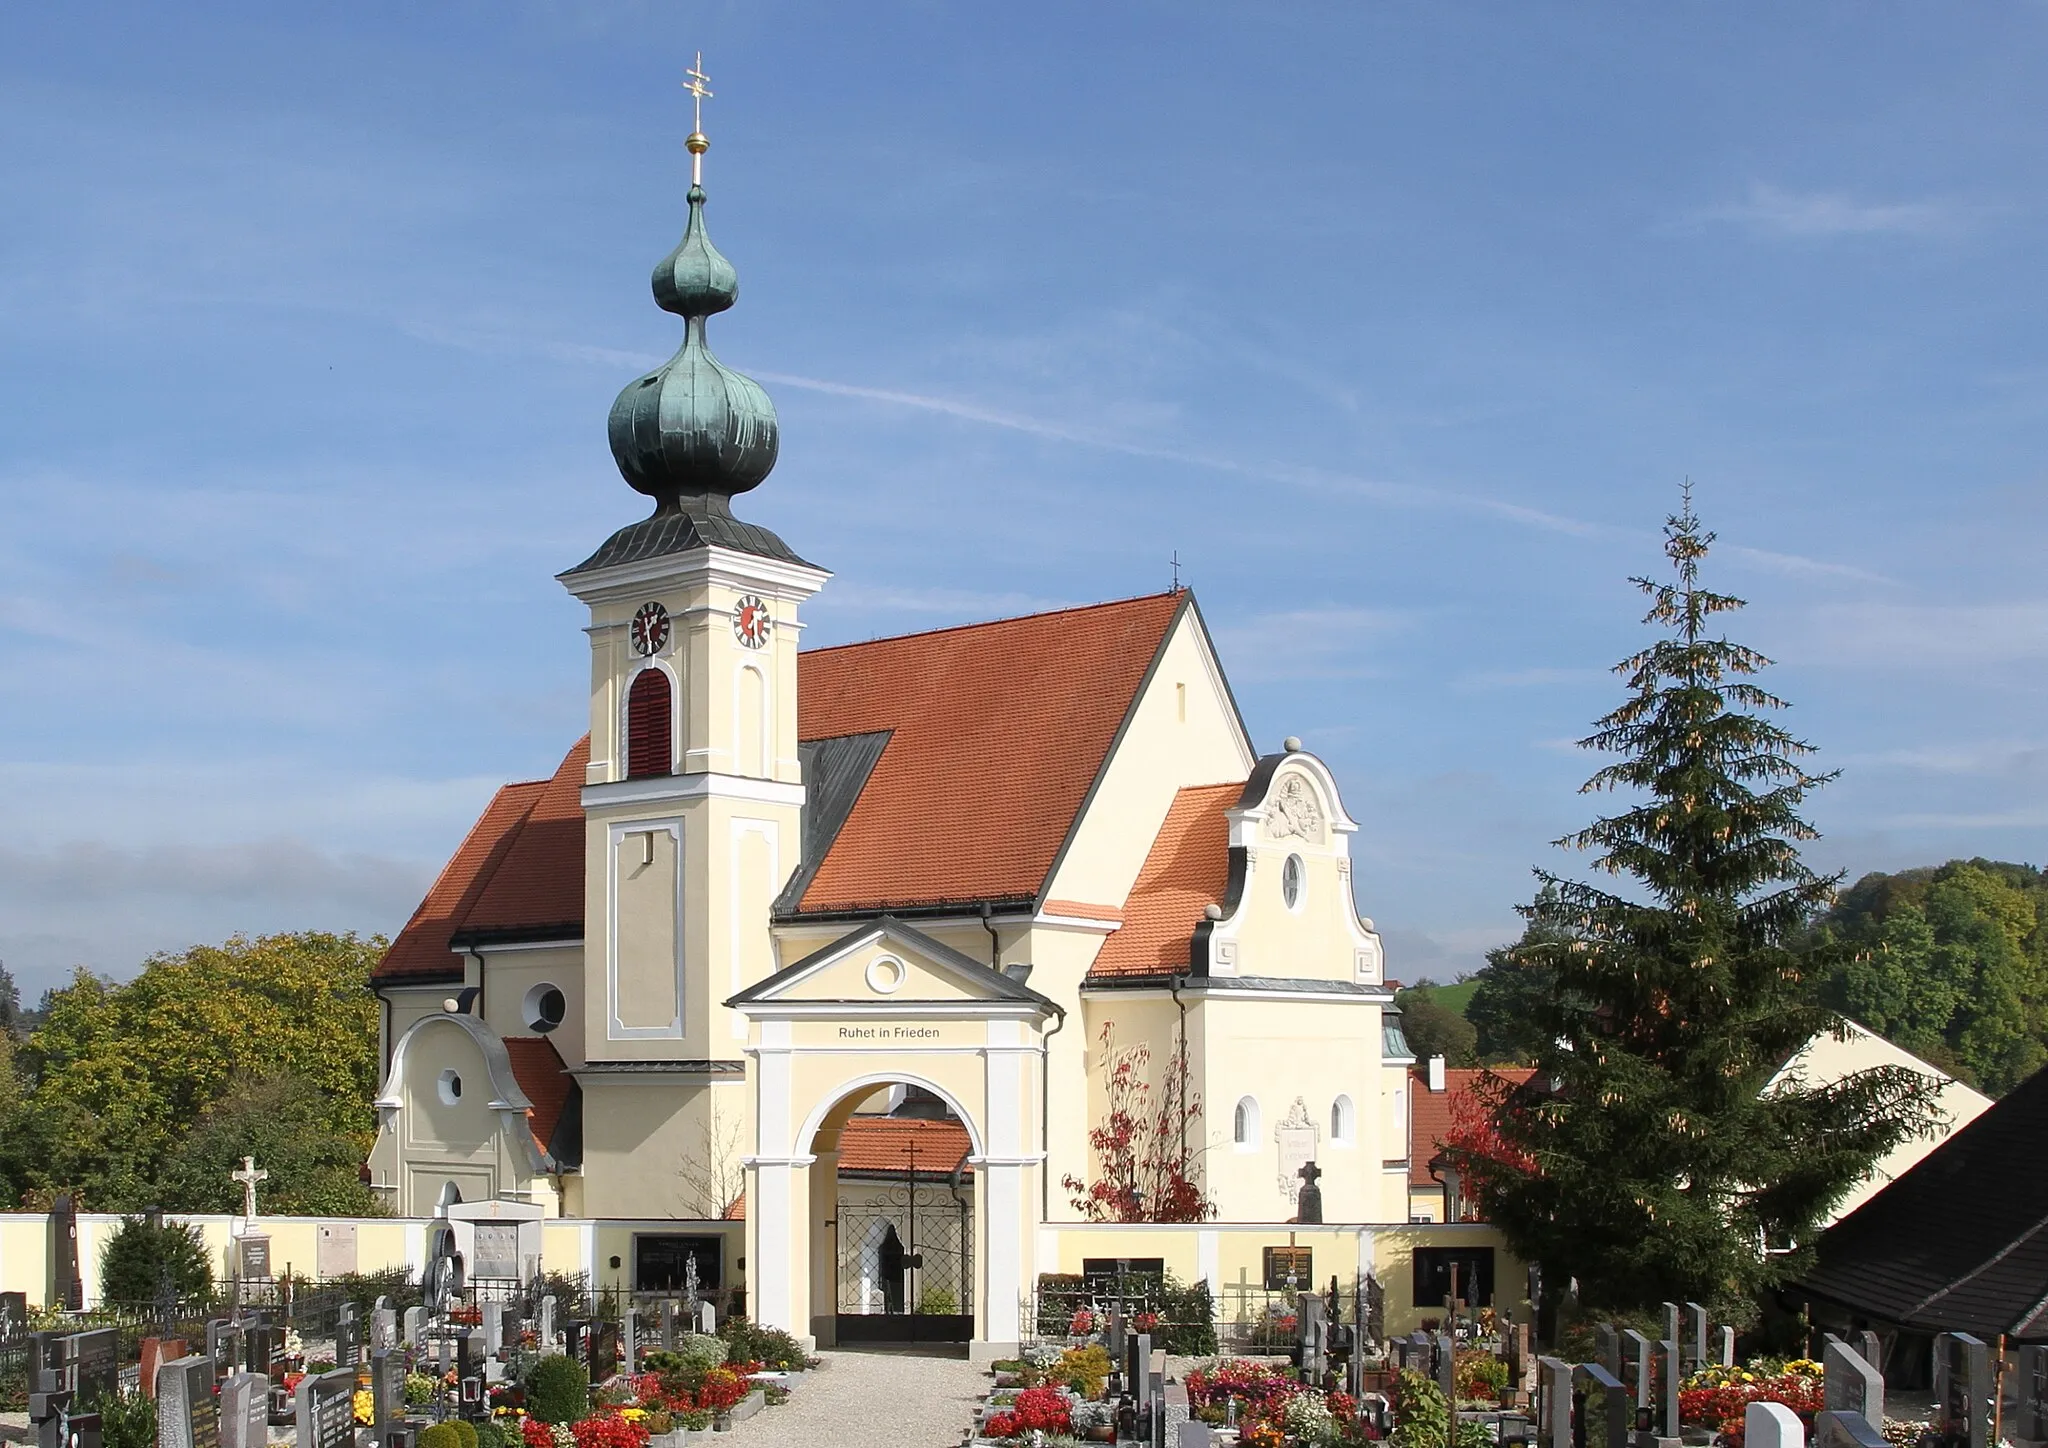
750	621
650	629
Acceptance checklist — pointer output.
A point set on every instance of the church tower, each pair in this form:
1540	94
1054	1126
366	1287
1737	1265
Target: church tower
693	791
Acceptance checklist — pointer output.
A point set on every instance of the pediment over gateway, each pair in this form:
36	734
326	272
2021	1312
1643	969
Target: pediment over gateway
887	965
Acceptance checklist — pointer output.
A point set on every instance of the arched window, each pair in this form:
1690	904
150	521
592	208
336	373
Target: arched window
1245	1125
648	715
1343	1122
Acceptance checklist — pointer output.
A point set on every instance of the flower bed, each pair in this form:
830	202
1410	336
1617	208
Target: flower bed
1046	1410
1717	1397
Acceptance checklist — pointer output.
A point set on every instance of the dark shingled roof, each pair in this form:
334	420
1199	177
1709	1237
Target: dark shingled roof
1960	1242
707	523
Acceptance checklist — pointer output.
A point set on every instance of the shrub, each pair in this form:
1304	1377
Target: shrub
937	1302
490	1435
1084	1369
1480	1375
127	1420
701	1350
142	1257
558	1391
697	1419
440	1435
464	1431
771	1347
1422	1418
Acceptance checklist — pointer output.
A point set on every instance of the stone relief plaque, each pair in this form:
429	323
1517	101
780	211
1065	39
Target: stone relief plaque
1294	812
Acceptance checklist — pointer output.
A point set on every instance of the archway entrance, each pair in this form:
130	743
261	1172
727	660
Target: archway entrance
884	1040
893	1162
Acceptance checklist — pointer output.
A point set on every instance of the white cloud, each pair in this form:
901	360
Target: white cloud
1769	210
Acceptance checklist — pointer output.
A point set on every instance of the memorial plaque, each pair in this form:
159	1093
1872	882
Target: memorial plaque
335	1251
245	1411
187	1415
497	1251
327	1410
254	1256
1289	1269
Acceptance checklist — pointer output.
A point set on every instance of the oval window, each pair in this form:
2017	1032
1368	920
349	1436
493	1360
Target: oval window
450	1087
1290	882
546	1007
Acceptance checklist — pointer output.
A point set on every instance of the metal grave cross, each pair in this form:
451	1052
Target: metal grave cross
249	1176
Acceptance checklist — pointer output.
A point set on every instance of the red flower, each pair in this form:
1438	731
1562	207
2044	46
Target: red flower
608	1430
1083	1323
1144	1321
1036	1410
536	1433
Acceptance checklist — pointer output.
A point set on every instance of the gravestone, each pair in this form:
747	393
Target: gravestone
670	1312
252	1257
187	1415
387	1390
326	1413
68	1370
245	1411
1638	1352
2030	1417
347	1337
469	1374
629	1340
1607	1348
707	1318
1554	1402
1447	1370
1308	1202
1672	1373
1617	1415
263	1347
1851	1384
1962	1388
67	1288
222	1341
547	1324
1845	1430
154	1353
1312	1337
1772	1425
494	1329
383	1329
1671	1322
1726	1354
1696	1335
415	1319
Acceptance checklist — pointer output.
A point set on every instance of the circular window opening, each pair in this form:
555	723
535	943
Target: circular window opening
545	1007
886	975
450	1087
1290	882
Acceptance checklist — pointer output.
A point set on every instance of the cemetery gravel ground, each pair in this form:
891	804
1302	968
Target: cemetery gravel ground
873	1400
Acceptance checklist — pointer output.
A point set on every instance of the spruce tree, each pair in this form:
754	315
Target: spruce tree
1646	1158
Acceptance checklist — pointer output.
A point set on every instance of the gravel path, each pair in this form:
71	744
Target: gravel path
872	1400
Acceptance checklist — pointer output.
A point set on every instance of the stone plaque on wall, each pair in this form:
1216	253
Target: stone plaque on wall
1297	1137
337	1249
497	1251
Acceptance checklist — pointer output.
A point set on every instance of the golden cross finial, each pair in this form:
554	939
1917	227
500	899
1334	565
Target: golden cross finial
698	85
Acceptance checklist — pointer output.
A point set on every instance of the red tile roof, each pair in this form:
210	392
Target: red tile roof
421	948
544	1078
882	1144
1188	867
996	733
1429	1112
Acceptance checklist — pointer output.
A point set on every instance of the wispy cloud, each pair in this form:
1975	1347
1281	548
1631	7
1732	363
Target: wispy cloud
1768	210
1318	643
1794	565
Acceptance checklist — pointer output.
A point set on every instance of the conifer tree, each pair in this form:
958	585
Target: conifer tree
1646	1158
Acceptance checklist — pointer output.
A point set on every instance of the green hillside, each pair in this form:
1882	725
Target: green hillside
1456	997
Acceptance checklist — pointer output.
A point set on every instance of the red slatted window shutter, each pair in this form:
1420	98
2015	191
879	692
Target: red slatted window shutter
648	716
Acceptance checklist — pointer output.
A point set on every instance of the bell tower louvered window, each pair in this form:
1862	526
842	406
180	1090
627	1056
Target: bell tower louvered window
649	717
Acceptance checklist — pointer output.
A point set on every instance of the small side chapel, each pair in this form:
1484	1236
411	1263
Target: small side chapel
785	921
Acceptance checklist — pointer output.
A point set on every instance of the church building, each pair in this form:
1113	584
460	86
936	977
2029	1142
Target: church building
792	934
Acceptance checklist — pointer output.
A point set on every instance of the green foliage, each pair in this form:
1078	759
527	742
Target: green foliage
419	1390
127	1420
1949	962
490	1435
1658	1167
465	1432
1187	1318
364	1288
700	1350
1435	1029
769	1346
440	1435
1422	1418
558	1391
1505	993
143	1261
937	1301
202	1047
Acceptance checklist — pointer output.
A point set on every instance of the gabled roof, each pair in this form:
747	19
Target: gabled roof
984	981
1431	1113
953	767
1187	868
880	1145
1960	1242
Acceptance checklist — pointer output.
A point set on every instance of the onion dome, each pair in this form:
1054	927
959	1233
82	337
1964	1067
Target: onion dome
693	429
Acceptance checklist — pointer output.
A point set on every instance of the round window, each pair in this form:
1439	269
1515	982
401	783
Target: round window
450	1087
1290	882
545	1007
886	975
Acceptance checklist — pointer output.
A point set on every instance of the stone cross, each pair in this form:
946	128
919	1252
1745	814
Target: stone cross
249	1176
1309	1200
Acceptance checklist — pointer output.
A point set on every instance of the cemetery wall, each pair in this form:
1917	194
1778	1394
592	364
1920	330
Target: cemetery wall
1233	1258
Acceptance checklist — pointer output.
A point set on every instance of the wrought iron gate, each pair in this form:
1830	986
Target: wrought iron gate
906	1265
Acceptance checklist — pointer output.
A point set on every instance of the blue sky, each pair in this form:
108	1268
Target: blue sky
1400	323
